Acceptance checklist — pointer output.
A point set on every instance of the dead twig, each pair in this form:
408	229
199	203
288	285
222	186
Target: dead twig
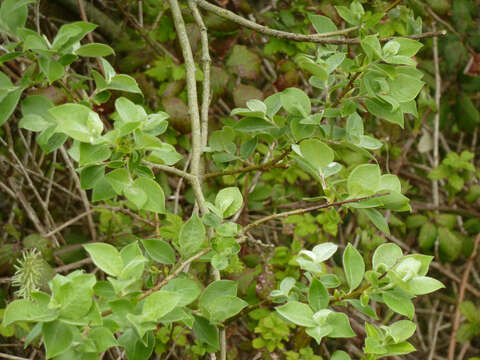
461	295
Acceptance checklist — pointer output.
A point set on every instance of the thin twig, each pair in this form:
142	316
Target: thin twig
325	38
192	103
13	357
306	210
197	136
75	265
261	167
170	169
69	222
461	295
83	194
155	45
42	177
206	61
32	186
435	335
170	277
436	130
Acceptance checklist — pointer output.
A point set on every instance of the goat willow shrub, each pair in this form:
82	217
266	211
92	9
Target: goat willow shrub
80	316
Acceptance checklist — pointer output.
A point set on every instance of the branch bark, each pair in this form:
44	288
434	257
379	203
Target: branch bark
436	121
261	167
306	210
193	108
461	296
325	38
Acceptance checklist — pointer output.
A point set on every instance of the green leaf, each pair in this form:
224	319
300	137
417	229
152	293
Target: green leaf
224	307
119	179
8	104
399	349
422	285
469	310
405	88
123	83
318	296
298	313
159	304
244	62
102	191
348	15
229	201
399	302
371	46
319	332
160	251
26	310
377	219
129	112
467	115
322	24
353	266
401	330
296	102
187	289
34	122
340	325
57	337
316	153
192	236
77	121
71	33
408	47
72	294
103	338
52	69
384	110
253	125
92	154
91	175
136	195
386	255
216	289
135	347
450	245
13	14
106	257
367	309
340	355
94	50
154	192
364	180
205	332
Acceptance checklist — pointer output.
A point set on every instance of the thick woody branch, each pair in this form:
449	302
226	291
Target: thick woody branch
193	108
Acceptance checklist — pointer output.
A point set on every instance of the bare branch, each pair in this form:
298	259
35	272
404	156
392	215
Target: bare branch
325	38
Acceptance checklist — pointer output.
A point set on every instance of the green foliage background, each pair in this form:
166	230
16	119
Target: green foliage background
139	226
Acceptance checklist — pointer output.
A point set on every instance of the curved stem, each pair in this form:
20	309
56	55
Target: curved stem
324	38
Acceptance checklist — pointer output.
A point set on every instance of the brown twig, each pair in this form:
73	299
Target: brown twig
83	194
436	121
306	210
158	48
262	167
69	222
325	38
170	277
461	295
